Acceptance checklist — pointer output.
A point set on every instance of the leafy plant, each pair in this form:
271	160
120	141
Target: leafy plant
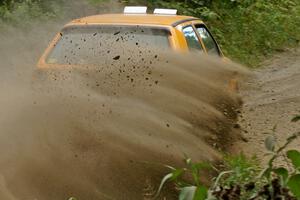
193	189
243	179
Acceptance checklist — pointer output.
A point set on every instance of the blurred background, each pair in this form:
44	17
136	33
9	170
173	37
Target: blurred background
247	30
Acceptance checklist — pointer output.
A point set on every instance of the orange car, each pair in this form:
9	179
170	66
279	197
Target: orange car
82	41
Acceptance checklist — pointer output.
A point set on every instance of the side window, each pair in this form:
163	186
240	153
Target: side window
192	39
207	39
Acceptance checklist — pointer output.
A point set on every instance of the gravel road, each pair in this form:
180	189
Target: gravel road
271	98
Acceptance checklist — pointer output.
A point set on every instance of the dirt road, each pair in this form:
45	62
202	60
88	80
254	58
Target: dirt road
271	97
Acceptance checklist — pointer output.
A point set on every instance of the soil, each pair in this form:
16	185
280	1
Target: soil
105	132
271	99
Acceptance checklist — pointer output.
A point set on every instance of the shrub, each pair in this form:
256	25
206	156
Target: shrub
243	179
22	13
247	30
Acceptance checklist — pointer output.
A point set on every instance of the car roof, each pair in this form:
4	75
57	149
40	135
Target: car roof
147	19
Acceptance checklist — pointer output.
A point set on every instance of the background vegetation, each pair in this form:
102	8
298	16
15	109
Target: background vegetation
247	30
24	12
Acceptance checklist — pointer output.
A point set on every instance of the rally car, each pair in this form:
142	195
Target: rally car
87	40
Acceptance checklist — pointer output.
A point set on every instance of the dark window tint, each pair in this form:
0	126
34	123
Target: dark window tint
85	45
209	42
192	39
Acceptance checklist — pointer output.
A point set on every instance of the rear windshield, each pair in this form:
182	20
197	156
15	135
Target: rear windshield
81	45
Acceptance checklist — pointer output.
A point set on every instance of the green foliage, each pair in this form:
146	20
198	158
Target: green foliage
23	12
192	189
294	156
257	28
96	2
243	179
242	169
247	30
294	185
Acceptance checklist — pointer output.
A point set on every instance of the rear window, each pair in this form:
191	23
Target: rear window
81	45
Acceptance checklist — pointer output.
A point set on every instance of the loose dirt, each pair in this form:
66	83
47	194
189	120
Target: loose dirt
271	98
104	132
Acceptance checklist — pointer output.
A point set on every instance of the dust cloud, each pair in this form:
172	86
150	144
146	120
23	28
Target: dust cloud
104	131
